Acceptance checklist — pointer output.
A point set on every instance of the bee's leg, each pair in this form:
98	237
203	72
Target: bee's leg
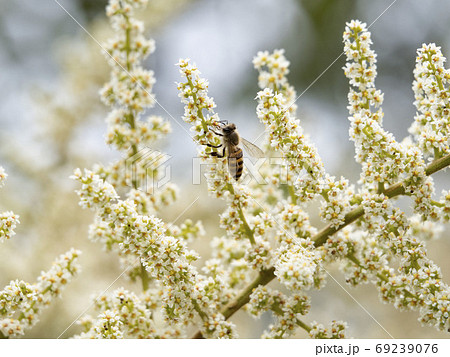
216	154
220	134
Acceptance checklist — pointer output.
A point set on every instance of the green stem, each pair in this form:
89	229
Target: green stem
248	230
303	325
437	204
264	278
127	42
145	278
437	76
131	120
292	194
438	165
321	237
200	312
200	109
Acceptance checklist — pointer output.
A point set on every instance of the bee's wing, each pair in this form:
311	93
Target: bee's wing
252	149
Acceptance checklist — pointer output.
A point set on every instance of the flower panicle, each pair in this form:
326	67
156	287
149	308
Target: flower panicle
432	95
21	302
273	69
8	220
130	92
130	317
301	159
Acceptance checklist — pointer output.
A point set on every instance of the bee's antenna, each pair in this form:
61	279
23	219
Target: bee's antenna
224	122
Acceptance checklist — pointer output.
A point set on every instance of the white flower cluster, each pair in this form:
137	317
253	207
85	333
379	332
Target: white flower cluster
289	263
129	92
286	136
107	326
229	264
129	46
121	134
8	220
297	265
444	204
145	244
129	317
139	239
17	296
384	161
233	219
262	222
424	230
94	191
340	245
3	176
301	158
217	327
376	206
187	231
199	112
367	258
259	256
132	317
292	222
287	310
21	302
130	87
336	330
431	91
418	283
336	204
423	203
142	240
273	69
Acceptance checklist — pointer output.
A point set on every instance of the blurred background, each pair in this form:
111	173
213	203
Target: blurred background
52	121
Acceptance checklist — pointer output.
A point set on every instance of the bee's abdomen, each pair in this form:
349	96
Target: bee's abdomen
236	163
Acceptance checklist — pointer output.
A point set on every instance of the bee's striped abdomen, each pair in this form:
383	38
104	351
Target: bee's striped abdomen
236	162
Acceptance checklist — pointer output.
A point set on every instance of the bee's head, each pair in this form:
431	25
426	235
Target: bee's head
228	128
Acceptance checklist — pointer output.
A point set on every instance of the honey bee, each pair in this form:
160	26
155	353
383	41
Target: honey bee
230	144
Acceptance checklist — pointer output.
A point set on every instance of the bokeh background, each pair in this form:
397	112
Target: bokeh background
52	121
